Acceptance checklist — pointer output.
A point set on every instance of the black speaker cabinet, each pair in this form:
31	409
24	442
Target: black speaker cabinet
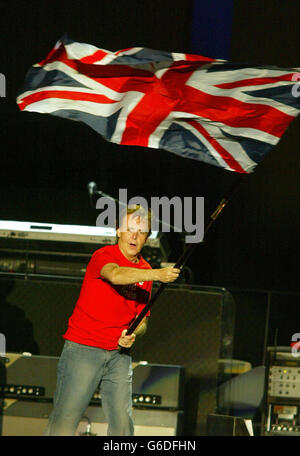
193	327
189	326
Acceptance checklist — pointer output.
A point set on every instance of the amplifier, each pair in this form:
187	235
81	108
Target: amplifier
27	386
282	393
30	419
25	377
284	382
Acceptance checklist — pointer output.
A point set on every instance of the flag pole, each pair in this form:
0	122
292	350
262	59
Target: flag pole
184	257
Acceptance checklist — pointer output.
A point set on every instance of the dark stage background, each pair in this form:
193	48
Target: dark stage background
46	162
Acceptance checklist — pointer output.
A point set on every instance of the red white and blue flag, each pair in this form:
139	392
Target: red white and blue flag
225	114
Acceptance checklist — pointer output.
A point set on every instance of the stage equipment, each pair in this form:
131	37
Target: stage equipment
191	326
62	250
281	414
223	425
27	387
243	394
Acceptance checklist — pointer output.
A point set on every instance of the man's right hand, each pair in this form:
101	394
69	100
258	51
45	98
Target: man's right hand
168	274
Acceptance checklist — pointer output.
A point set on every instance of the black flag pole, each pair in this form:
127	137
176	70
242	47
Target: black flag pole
184	257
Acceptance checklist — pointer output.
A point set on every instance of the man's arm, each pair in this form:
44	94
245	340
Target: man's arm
121	275
142	327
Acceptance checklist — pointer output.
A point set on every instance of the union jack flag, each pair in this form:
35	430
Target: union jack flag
229	115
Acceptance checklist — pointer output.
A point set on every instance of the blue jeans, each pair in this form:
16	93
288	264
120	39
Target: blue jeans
80	370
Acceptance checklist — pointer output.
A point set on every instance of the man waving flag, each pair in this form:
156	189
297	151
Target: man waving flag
225	114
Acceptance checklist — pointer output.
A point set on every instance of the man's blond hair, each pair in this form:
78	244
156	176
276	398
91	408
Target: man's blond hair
139	211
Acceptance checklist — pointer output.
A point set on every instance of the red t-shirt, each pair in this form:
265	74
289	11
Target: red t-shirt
104	310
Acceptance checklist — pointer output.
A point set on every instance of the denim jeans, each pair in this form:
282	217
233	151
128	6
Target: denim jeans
80	370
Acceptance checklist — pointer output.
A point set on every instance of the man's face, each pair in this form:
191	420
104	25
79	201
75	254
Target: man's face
132	234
